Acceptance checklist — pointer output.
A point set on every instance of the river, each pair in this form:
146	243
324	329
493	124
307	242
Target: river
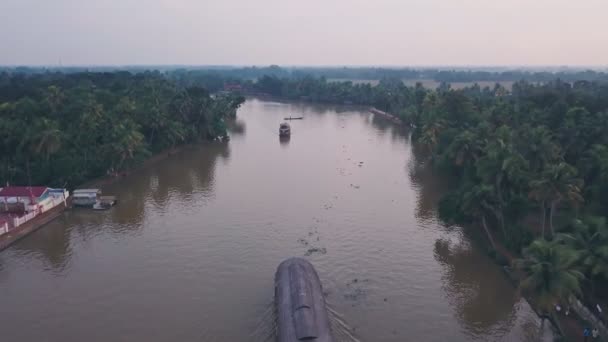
190	252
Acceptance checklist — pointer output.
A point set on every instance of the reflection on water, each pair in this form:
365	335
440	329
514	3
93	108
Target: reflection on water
481	301
189	252
54	252
429	186
237	128
159	184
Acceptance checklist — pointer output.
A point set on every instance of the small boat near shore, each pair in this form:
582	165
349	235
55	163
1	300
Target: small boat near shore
92	198
104	203
85	197
284	130
294	118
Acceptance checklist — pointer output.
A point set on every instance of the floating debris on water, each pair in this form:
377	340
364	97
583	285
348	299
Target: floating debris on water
355	294
355	290
314	250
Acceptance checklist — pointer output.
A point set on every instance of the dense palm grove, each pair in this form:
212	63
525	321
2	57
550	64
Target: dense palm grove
531	168
62	129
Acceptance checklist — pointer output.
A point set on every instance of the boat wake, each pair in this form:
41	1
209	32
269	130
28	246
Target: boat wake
266	328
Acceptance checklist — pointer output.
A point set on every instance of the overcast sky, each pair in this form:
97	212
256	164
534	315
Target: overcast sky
304	32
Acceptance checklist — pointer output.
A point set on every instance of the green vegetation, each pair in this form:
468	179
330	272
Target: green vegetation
62	129
534	158
550	273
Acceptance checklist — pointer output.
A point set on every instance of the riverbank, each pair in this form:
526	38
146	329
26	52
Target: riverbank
389	116
31	226
569	327
39	221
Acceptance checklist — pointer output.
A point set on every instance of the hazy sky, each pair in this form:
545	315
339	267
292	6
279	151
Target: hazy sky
304	32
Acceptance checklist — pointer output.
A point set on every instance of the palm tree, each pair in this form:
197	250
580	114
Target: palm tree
505	169
126	141
465	148
54	97
538	146
541	195
430	134
46	138
550	273
479	202
42	138
589	238
558	183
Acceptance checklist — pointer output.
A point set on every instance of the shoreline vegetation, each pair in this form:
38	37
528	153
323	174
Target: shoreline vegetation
62	130
528	165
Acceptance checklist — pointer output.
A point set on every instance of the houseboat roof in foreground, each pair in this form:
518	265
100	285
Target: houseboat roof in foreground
23	191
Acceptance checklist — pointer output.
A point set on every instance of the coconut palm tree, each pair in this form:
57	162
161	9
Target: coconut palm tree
480	202
41	139
46	138
465	149
558	183
589	238
550	273
430	134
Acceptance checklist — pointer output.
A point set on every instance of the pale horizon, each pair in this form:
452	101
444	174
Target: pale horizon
385	33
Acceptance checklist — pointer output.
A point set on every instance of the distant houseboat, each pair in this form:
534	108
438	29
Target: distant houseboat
85	197
284	130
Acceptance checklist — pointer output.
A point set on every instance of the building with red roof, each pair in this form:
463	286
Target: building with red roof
17	199
23	191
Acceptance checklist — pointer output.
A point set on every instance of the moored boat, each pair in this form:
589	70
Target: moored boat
85	197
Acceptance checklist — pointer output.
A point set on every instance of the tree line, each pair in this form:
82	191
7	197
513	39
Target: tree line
445	74
62	129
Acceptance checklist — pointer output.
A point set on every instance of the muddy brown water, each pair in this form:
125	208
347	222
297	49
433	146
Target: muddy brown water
190	252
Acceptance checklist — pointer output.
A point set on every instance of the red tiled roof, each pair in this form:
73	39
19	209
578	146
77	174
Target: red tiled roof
23	191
